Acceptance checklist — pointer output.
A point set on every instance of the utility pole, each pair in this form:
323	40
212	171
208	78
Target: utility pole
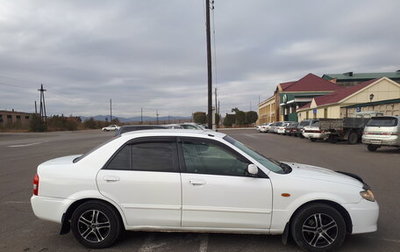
216	109
209	66
110	110
43	115
141	115
35	108
157	116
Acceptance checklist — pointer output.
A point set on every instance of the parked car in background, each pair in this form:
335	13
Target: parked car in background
197	181
348	129
382	131
111	127
173	126
264	128
314	133
302	124
128	128
291	129
192	126
280	129
274	127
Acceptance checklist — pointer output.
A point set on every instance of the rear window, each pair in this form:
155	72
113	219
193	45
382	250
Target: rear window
383	122
305	123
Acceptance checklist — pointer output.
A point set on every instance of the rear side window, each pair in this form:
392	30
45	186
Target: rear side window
154	157
383	122
146	156
121	161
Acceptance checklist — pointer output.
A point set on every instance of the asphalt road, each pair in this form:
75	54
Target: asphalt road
20	230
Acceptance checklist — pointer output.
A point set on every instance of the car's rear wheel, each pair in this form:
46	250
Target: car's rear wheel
318	227
96	225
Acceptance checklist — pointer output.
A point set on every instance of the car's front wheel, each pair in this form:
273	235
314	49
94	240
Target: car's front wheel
318	227
96	225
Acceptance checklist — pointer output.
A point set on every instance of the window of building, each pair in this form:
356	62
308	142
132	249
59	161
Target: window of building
26	117
325	113
18	117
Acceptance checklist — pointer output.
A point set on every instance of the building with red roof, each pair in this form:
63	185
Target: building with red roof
289	96
343	101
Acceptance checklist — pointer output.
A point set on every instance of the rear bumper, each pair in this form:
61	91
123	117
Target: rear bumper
385	141
364	216
50	209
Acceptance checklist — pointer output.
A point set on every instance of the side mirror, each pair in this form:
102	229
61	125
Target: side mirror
252	169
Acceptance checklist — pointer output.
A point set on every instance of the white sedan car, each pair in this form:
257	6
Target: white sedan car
111	127
197	181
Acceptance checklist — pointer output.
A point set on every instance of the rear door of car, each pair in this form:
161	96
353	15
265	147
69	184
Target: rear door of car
143	178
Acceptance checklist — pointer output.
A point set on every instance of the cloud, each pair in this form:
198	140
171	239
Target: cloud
151	54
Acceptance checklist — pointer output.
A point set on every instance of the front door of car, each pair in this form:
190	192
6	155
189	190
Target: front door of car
217	191
143	178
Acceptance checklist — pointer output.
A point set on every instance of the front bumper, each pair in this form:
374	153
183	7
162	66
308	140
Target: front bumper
364	216
50	209
315	135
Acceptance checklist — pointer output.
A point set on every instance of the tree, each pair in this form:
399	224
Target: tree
240	118
90	123
251	117
229	120
199	117
37	124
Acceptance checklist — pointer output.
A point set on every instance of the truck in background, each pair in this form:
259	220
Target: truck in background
348	129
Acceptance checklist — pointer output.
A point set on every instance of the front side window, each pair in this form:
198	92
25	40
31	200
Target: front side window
146	156
267	162
205	157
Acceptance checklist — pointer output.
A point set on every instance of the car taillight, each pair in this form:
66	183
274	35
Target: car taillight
36	184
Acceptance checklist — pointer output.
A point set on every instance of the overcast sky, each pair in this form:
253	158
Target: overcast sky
151	54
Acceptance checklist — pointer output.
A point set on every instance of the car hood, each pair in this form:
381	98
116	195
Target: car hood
311	172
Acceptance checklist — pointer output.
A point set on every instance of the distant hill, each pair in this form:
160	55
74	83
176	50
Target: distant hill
137	118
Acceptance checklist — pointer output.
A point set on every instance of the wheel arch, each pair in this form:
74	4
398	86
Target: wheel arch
66	217
338	207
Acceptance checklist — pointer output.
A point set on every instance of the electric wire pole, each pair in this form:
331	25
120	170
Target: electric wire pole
209	66
43	114
110	110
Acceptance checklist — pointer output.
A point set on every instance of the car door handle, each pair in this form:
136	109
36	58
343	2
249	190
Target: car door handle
111	178
197	182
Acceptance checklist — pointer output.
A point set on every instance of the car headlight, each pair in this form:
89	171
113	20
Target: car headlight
368	195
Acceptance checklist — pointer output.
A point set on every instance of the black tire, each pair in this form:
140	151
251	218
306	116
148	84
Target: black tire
318	227
372	147
96	225
353	138
313	139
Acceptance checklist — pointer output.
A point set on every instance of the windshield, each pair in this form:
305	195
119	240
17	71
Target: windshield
304	123
382	121
268	163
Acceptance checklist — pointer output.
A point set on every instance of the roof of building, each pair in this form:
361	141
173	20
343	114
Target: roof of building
351	76
341	93
305	106
310	82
